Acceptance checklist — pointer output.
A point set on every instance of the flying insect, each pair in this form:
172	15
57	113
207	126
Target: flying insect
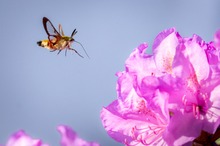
57	41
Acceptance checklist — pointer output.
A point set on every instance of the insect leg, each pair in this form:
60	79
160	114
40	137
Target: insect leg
52	50
75	51
59	52
65	52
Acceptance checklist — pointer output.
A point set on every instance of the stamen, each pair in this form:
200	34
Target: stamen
211	114
197	112
184	100
147	135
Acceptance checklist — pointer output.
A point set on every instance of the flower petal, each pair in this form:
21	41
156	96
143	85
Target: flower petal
197	57
145	126
183	128
140	63
164	49
70	138
213	114
217	39
20	138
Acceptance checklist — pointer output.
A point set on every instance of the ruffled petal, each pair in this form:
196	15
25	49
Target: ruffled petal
20	138
198	59
70	138
164	50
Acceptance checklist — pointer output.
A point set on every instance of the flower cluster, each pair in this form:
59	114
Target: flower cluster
168	97
68	138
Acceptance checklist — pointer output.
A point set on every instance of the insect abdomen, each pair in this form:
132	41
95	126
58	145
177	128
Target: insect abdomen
39	43
44	43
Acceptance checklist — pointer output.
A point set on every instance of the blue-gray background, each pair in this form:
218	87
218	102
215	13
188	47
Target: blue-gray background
40	90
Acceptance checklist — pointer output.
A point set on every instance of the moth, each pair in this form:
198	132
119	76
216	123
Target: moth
57	41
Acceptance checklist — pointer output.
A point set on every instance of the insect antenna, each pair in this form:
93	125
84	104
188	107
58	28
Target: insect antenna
73	33
83	48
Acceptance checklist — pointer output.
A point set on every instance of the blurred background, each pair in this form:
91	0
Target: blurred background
40	90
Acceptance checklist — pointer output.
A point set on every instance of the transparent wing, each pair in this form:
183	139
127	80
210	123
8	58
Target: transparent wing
50	29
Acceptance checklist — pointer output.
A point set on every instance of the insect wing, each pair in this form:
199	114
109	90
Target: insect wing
50	29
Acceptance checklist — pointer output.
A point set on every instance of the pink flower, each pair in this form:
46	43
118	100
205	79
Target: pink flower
156	93
68	138
137	118
141	125
198	88
20	138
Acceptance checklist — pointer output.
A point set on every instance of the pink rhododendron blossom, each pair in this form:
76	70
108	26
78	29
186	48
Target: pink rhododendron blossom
20	138
169	97
68	138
